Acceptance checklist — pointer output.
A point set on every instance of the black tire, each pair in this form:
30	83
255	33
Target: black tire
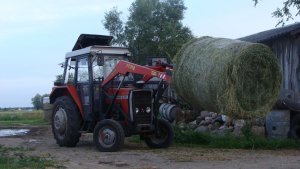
295	127
164	138
66	122
109	136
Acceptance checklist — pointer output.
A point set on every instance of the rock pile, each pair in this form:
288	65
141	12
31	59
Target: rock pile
210	122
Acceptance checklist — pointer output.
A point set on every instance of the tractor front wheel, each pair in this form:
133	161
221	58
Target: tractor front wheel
162	138
66	122
109	135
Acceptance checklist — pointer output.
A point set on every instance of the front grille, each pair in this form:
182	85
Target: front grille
140	100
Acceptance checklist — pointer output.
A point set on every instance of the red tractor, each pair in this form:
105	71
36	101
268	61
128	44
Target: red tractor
99	94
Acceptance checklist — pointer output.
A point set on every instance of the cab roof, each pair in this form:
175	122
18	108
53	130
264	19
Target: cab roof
99	49
86	40
91	44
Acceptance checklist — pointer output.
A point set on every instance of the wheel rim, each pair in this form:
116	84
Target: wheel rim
60	121
107	137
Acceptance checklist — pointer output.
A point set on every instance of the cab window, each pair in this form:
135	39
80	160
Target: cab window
70	72
83	71
97	70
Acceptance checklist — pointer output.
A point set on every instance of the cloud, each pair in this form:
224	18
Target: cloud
51	10
17	92
19	17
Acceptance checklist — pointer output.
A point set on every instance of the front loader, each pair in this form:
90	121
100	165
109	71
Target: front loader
100	93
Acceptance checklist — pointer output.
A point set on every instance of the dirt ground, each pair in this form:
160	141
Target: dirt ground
138	156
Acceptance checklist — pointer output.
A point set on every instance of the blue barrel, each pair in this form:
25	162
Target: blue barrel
278	124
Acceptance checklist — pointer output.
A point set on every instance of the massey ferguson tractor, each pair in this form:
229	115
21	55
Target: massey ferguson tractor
103	93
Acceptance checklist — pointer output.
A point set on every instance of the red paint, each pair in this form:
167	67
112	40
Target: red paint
124	67
69	90
74	94
122	98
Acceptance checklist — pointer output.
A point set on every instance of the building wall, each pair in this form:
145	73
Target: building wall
287	51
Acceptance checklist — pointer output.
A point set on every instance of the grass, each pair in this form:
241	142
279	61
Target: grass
15	158
9	118
189	138
248	141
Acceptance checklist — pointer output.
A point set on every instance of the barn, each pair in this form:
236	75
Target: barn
285	43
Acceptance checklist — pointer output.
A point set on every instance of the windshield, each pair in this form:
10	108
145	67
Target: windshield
110	62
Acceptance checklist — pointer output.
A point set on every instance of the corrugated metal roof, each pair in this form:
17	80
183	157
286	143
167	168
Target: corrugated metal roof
271	34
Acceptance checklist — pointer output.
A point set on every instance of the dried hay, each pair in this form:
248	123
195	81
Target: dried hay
232	77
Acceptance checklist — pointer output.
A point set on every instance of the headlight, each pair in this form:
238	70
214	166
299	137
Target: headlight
148	110
137	110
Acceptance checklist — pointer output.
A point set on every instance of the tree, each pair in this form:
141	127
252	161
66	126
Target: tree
59	78
114	25
284	13
154	28
37	101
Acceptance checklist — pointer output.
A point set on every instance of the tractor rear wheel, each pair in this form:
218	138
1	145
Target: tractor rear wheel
164	136
66	122
109	135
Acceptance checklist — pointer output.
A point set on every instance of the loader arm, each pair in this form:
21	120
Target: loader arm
124	67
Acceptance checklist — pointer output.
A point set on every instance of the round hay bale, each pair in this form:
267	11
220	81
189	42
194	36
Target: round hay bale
232	77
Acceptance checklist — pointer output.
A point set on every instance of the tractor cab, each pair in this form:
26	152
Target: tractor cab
86	69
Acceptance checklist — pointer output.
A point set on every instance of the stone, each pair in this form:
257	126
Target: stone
181	125
223	130
230	128
201	129
47	112
210	127
208	119
258	122
204	123
199	119
258	131
222	127
204	114
192	125
216	125
225	118
239	123
237	132
238	126
214	115
218	119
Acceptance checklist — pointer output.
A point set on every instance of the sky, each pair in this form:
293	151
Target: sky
35	35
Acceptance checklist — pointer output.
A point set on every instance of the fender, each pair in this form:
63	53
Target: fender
68	90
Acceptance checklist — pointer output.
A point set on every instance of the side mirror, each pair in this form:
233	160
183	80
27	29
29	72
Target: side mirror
100	59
